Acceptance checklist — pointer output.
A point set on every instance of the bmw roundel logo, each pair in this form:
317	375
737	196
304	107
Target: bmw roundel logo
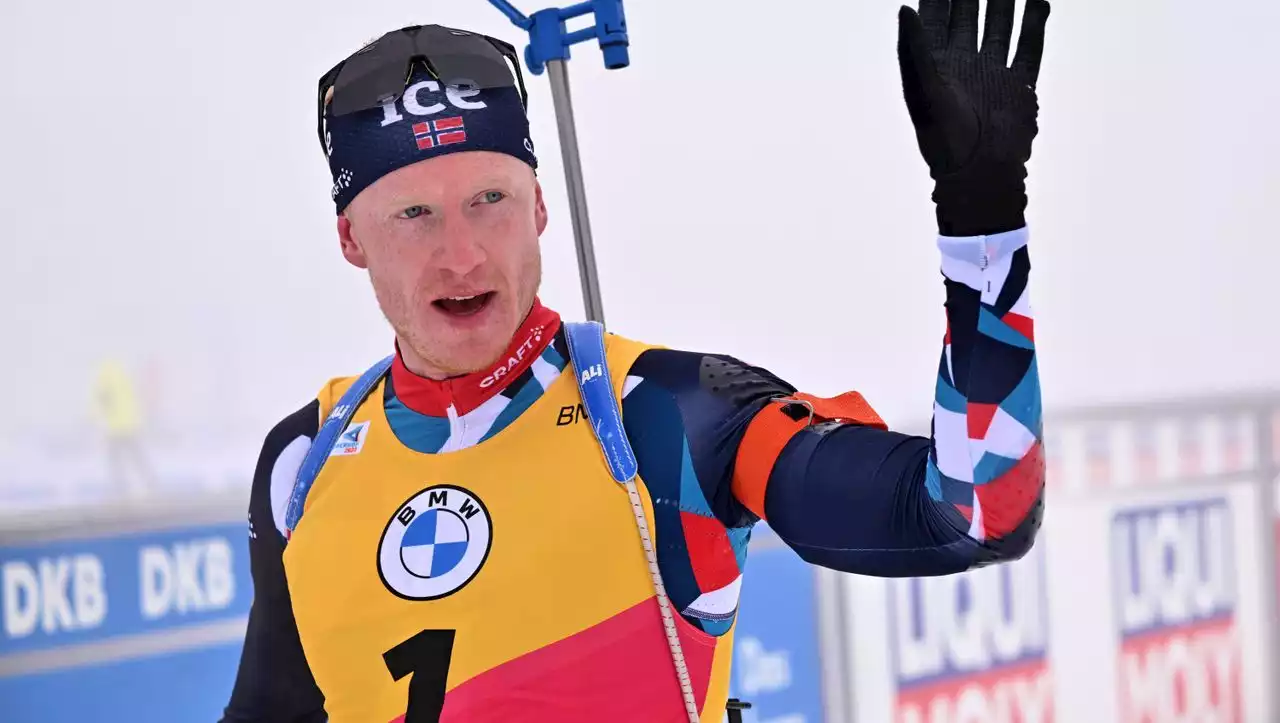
435	543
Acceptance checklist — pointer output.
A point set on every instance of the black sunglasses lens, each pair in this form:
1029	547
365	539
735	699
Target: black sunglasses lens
373	75
377	73
463	59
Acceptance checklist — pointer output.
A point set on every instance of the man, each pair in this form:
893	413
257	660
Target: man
118	409
466	538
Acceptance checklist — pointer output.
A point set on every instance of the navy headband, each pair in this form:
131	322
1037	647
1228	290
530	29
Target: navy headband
426	121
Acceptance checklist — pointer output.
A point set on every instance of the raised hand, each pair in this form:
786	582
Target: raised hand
974	112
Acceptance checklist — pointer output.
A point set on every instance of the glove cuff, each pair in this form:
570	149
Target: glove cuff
969	208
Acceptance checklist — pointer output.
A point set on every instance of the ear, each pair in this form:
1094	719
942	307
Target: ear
539	208
352	251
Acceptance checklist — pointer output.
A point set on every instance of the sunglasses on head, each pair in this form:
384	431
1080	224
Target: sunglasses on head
379	72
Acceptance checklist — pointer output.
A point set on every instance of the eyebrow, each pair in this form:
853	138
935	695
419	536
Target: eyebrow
482	184
487	181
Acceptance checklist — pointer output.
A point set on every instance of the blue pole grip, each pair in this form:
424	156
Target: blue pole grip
549	38
611	26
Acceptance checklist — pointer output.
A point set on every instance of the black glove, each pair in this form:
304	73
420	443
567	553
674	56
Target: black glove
975	116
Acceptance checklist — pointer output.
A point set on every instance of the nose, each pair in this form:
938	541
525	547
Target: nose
460	251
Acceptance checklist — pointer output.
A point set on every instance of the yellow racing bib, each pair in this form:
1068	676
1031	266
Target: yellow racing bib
509	575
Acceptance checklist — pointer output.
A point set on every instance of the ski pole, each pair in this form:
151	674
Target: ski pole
549	41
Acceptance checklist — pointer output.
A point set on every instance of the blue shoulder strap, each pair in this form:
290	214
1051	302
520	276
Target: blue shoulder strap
329	431
591	369
595	385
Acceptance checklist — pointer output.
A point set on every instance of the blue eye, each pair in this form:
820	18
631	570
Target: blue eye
414	212
493	196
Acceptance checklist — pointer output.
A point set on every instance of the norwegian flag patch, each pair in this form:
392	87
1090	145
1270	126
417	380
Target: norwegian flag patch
443	132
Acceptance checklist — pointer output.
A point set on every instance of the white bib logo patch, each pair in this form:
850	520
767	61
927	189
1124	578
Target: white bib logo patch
435	543
351	441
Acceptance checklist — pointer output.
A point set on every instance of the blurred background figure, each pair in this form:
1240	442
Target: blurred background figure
118	411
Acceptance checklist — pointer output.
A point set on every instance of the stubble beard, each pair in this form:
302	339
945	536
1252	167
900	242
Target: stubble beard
401	313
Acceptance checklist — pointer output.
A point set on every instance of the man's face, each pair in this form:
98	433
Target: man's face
451	245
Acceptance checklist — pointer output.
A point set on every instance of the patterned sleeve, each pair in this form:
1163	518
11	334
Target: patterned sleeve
847	493
720	447
987	458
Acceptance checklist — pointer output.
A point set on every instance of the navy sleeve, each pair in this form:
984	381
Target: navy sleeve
855	497
866	500
274	683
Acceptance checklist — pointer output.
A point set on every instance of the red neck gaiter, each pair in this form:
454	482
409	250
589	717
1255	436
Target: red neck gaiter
433	397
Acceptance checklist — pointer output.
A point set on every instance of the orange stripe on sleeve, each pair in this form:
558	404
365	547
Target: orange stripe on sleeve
771	429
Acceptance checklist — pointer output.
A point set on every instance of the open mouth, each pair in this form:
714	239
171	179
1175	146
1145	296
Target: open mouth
464	305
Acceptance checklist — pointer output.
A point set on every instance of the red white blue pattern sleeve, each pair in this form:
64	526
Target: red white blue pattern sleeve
847	493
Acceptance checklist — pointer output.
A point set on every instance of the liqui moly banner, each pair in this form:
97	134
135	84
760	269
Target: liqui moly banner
1175	604
972	648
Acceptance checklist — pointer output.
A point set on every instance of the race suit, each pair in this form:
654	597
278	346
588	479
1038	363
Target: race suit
555	618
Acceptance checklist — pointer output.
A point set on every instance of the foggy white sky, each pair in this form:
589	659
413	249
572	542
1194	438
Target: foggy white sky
753	179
